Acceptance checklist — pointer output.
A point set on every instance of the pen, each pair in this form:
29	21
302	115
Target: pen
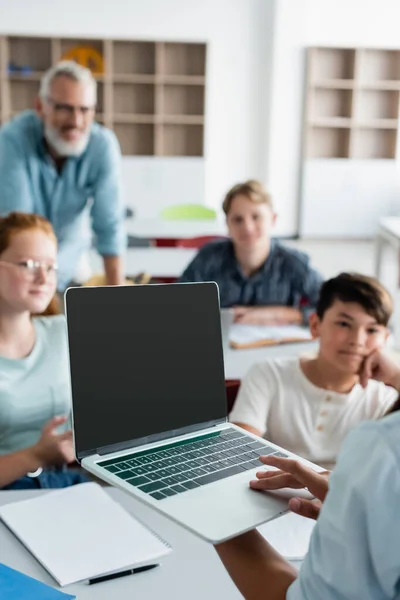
121	574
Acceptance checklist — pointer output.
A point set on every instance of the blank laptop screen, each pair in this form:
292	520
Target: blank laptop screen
144	360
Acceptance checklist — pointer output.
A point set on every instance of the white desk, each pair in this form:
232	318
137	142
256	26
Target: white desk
388	233
158	228
192	570
238	362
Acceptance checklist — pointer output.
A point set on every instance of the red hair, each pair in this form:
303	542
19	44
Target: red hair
15	222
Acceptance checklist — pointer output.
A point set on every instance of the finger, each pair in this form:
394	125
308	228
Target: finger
66	436
368	367
54	422
305	508
275	483
315	482
268	474
365	373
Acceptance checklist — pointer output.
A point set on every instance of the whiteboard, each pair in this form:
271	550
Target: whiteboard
152	183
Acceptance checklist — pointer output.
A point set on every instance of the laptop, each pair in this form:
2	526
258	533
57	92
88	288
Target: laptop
149	406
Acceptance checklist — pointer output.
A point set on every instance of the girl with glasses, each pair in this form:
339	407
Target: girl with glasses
35	438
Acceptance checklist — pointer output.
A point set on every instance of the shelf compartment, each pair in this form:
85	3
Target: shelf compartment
324	142
135	139
183	100
23	95
83	52
374	143
129	98
182	140
133	58
331	103
332	63
379	65
184	59
29	52
376	104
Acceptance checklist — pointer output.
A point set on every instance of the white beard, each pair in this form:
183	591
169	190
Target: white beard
62	147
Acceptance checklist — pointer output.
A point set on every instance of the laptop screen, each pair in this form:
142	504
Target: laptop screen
144	360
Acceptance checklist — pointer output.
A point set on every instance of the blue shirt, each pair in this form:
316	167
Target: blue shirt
30	182
36	388
355	547
286	278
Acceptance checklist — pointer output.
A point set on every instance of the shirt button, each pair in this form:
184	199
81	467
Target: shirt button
324	413
328	398
320	428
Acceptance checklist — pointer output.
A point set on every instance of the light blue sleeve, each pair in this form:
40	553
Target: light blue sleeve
355	548
15	186
108	211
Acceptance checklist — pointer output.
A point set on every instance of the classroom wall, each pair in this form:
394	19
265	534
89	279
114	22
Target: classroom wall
302	23
239	34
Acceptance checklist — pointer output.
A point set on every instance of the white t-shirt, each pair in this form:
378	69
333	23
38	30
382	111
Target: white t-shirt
276	398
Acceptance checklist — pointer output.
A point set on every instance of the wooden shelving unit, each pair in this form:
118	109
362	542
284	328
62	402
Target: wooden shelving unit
352	103
152	94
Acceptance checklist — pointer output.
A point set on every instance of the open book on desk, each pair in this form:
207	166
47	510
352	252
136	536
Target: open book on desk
253	336
79	533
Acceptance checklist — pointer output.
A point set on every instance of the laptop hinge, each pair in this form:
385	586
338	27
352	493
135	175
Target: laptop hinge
157	437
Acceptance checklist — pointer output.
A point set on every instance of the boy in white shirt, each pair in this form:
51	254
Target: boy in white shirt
308	405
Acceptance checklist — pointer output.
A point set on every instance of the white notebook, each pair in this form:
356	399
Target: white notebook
80	532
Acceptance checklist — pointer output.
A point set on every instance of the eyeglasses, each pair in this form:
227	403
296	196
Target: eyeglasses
68	110
31	269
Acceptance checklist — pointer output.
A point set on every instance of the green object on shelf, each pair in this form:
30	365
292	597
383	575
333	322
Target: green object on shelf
188	212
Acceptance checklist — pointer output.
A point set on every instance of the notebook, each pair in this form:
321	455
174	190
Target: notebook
14	585
80	532
253	336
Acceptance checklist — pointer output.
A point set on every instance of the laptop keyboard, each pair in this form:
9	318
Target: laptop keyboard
188	464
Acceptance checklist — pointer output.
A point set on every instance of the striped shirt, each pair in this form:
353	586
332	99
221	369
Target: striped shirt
286	277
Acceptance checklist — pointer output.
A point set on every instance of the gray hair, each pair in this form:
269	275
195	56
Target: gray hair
70	69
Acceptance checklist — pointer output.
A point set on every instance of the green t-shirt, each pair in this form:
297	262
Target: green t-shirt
36	388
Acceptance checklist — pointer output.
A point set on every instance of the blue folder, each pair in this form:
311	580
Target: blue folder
17	586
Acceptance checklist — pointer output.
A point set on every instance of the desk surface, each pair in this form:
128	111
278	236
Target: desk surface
158	228
238	362
192	570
